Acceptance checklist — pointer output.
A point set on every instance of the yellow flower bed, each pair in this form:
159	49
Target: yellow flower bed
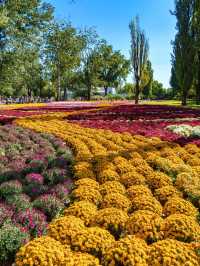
178	205
125	184
43	251
145	225
64	228
116	200
181	227
21	105
82	209
173	253
93	240
127	251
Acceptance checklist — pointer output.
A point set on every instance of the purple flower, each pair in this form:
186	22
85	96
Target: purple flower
34	178
6	212
33	221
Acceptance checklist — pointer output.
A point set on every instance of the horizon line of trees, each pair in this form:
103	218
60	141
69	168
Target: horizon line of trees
41	56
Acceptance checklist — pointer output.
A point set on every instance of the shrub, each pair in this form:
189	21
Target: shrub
6	213
34	178
19	202
145	225
112	187
181	227
163	194
88	194
32	220
178	205
54	175
10	187
173	253
42	251
36	166
116	200
49	204
64	228
127	251
112	219
60	191
93	240
82	209
11	238
147	203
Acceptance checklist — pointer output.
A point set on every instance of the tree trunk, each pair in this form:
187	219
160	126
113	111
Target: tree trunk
184	98
106	91
65	94
137	92
198	81
89	93
58	85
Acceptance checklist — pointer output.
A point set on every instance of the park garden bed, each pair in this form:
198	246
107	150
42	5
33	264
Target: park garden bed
135	199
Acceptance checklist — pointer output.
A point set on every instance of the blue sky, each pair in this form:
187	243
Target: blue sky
111	19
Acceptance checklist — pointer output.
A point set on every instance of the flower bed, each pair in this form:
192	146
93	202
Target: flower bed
122	179
35	181
148	121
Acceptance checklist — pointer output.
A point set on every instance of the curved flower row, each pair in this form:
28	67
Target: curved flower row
131	201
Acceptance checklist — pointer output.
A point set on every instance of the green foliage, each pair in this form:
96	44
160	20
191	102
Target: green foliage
21	35
139	54
11	238
63	53
183	58
113	67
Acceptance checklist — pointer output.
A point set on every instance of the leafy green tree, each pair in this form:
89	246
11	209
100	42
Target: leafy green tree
91	62
21	35
147	80
158	91
175	89
139	54
63	52
183	47
196	28
113	67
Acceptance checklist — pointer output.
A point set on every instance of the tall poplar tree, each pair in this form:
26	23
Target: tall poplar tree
139	54
183	56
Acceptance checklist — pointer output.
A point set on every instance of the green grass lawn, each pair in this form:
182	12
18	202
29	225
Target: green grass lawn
170	102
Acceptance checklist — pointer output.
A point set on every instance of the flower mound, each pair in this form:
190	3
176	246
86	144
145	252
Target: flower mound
82	209
163	194
112	219
42	251
147	203
173	253
145	225
138	190
84	259
127	251
87	182
132	178
178	205
64	228
112	187
116	200
93	240
181	227
87	194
